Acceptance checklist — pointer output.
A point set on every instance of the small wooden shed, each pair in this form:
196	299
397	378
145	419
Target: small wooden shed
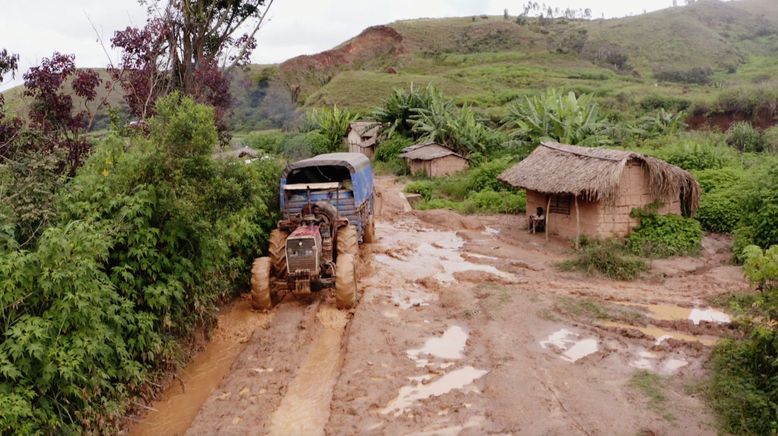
591	191
362	137
433	160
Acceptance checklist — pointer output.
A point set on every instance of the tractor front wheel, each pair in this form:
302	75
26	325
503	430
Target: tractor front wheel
345	282
261	298
348	242
277	251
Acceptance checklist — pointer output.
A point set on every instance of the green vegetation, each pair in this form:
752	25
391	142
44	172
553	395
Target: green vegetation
332	124
650	385
609	258
744	372
744	137
664	235
143	243
474	191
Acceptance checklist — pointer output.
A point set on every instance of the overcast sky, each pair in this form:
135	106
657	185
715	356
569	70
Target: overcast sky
36	28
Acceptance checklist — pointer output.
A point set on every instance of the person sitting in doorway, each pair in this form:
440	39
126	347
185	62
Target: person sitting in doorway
537	221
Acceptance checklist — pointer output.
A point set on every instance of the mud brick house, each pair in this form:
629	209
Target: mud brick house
591	191
362	137
433	160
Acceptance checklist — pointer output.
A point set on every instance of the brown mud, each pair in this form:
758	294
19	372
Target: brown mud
466	326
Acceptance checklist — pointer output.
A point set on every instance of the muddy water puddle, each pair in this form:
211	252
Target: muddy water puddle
569	346
448	347
305	409
435	254
424	388
667	312
451	345
660	334
408	298
177	407
657	363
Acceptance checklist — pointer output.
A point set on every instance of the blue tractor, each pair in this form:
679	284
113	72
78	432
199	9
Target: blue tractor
327	203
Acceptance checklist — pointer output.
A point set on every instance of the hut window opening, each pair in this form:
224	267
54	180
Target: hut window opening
560	204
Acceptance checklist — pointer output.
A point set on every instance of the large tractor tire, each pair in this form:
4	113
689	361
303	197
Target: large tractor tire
277	252
345	282
348	241
370	230
261	298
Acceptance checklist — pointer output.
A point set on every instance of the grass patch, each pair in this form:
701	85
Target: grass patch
585	308
609	258
650	385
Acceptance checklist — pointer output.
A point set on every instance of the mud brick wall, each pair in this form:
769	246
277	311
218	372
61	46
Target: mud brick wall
606	219
444	166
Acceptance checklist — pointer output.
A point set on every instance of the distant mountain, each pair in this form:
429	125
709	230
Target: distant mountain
687	53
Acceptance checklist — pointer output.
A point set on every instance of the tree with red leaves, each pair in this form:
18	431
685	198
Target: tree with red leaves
187	48
52	112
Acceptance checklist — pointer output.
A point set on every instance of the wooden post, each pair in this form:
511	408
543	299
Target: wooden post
577	224
548	213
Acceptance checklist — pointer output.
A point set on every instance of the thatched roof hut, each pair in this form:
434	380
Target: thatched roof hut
609	182
433	159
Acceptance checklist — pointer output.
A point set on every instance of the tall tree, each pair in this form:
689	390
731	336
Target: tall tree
188	46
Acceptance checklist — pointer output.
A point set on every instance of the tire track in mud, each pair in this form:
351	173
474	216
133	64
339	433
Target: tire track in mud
305	408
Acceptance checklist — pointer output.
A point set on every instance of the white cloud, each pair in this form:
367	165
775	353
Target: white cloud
37	28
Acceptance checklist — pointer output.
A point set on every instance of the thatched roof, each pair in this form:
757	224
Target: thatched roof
594	174
428	151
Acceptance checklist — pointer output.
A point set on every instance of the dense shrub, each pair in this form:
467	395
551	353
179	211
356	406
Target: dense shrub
664	235
147	239
485	175
721	202
691	154
421	187
745	372
609	258
744	137
489	201
760	206
268	141
720	211
697	75
390	149
771	139
655	102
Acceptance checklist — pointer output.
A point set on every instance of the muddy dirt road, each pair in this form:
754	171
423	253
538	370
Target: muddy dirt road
465	326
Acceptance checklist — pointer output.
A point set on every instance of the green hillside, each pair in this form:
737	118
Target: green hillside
489	61
486	62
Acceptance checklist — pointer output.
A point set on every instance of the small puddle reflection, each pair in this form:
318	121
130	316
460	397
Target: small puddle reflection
571	347
655	363
451	345
456	379
668	312
661	334
436	255
406	299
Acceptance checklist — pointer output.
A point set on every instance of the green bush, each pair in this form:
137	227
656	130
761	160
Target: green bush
760	205
333	124
720	211
690	154
745	372
147	239
714	180
269	141
390	149
771	139
742	237
664	235
744	137
422	187
490	201
609	258
484	176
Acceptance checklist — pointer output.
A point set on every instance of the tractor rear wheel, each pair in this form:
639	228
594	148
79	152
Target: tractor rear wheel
345	282
277	252
370	230
261	299
348	242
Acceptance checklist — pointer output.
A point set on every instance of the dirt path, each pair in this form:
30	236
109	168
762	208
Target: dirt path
465	326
